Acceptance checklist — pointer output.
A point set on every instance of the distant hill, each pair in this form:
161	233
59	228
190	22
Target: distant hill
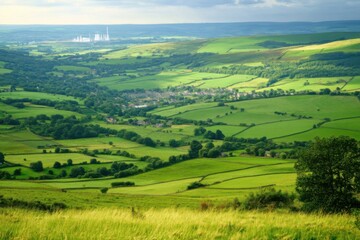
26	33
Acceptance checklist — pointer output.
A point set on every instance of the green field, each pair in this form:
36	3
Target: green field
72	68
36	96
32	110
270	96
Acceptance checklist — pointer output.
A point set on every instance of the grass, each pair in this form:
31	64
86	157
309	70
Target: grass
278	129
223	82
173	223
36	96
248	44
353	84
314	84
249	172
161	80
251	85
322	132
66	68
287	179
49	159
32	110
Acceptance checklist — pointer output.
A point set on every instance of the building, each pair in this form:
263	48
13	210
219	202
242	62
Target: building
97	37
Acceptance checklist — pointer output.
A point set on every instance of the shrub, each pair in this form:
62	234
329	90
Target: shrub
104	190
195	185
268	198
37	166
122	184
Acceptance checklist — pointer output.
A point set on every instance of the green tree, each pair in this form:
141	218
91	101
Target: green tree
329	174
69	162
17	172
2	158
37	166
195	147
57	164
104	190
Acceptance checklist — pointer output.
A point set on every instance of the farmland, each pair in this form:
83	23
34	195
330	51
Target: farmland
164	128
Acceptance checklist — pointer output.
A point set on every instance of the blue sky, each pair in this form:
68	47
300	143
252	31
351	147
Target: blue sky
175	11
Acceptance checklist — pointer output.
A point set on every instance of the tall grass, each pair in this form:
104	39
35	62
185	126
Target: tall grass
173	224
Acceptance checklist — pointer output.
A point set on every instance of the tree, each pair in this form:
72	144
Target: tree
219	135
104	190
57	165
37	166
195	146
2	158
173	143
17	172
69	162
57	150
329	174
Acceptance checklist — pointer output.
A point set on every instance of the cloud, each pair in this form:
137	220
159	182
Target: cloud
249	2
175	11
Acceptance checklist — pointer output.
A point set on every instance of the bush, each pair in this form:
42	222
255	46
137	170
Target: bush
195	185
57	165
328	175
268	198
122	184
104	190
37	166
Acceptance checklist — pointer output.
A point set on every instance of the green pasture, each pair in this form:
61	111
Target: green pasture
278	129
67	68
286	179
32	110
253	84
161	134
331	129
148	50
137	149
344	124
16	141
49	159
318	107
4	70
224	82
161	80
352	85
157	189
37	96
227	130
247	44
170	111
259	170
233	117
314	84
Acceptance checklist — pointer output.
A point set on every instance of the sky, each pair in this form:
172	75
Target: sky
174	11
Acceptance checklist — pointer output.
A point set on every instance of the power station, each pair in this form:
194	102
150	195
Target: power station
97	37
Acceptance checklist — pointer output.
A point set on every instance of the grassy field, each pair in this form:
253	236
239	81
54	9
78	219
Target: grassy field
314	84
353	84
247	44
173	224
72	68
161	80
32	110
36	96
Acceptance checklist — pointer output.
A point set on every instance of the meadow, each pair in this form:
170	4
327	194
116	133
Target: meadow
173	224
168	92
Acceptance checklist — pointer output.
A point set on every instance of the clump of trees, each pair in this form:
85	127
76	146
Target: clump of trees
122	184
329	175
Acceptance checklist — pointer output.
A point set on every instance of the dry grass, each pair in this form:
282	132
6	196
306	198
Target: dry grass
173	224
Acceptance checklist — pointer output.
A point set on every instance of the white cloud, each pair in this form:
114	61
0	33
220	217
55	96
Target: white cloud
165	11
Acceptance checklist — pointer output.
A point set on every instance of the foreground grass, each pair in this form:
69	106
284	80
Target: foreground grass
172	224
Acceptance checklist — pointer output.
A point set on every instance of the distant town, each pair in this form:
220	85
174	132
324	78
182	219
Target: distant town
97	37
